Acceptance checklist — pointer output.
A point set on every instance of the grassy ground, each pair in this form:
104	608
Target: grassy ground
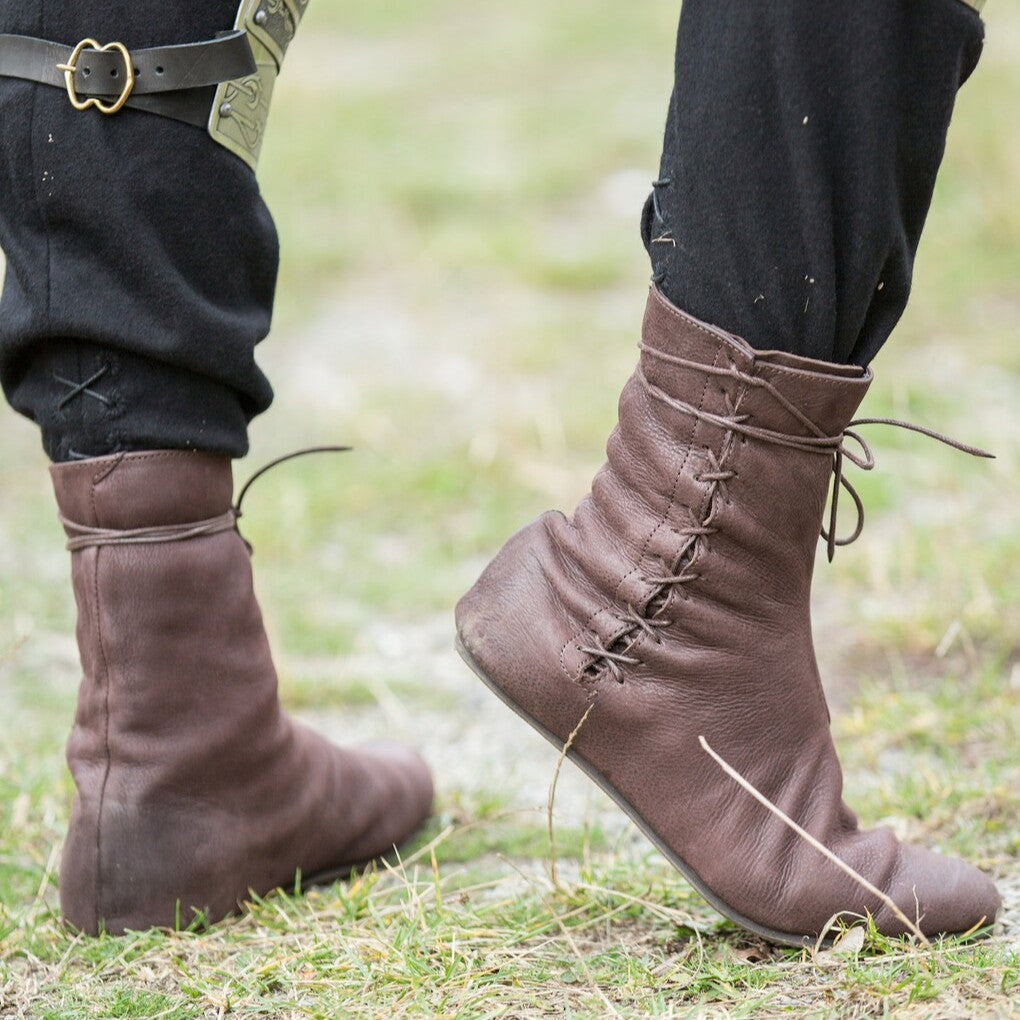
461	290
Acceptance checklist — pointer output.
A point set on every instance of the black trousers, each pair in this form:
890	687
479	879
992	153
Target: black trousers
801	148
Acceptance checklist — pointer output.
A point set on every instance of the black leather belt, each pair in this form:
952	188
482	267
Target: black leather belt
173	81
223	85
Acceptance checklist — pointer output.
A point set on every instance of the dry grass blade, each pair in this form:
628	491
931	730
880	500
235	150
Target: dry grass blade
553	870
820	847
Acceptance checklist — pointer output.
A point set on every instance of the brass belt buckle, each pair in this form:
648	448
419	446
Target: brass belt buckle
71	67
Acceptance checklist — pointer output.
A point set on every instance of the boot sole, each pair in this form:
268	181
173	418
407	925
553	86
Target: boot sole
770	934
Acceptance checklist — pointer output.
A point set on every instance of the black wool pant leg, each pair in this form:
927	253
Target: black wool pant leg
141	260
801	149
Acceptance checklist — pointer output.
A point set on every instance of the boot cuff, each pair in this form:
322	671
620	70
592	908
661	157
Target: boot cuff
825	393
142	490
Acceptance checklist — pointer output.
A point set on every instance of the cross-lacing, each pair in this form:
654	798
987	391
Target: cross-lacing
676	573
613	660
686	576
817	443
717	476
82	389
649	625
82	536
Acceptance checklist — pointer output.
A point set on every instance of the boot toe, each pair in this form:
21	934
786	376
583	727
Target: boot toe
945	895
409	789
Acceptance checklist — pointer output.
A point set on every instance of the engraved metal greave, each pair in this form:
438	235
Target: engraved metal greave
240	109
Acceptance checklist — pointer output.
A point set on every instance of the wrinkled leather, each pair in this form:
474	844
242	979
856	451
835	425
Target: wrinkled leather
194	788
726	653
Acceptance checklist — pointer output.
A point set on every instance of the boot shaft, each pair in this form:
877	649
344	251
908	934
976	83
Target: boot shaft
170	634
715	482
703	404
193	785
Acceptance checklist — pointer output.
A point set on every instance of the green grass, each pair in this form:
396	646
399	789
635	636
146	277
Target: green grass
460	297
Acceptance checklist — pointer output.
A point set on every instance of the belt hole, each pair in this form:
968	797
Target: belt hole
159	70
114	72
87	71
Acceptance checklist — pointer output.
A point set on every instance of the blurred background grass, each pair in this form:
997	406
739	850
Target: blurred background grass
457	188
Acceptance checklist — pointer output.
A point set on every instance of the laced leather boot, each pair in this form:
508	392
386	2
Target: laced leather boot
674	605
194	788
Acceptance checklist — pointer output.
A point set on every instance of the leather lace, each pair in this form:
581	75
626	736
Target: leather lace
817	443
681	570
82	536
613	660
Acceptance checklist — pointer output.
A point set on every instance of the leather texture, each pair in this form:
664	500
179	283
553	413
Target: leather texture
194	788
674	604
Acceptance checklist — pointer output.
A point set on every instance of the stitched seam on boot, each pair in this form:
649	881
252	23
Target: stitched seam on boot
718	335
581	579
119	458
102	476
623	629
100	913
636	569
684	561
609	608
729	442
667	513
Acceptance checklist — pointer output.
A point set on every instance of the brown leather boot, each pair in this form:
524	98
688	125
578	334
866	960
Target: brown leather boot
675	604
194	789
